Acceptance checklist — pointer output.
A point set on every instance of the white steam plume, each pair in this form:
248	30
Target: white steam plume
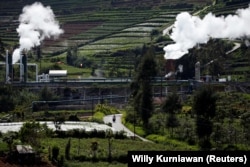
189	31
16	55
36	23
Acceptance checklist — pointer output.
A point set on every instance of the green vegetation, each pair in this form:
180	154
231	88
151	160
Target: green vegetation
204	107
206	125
123	39
142	89
97	28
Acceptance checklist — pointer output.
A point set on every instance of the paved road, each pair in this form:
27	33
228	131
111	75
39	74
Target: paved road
118	126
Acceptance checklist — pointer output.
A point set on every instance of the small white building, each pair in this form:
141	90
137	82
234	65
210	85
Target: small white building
52	75
57	73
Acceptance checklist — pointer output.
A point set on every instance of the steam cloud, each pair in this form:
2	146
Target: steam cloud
36	23
189	31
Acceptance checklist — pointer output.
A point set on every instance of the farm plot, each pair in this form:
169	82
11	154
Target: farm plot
121	40
115	38
139	29
8	31
132	36
83	32
71	29
137	33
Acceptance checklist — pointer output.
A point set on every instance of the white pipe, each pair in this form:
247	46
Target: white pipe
36	72
21	68
29	64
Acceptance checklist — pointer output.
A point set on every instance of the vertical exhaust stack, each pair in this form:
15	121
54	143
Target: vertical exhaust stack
21	67
8	63
10	68
197	71
7	66
24	61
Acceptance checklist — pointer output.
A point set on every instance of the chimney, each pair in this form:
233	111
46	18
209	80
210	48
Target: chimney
24	61
21	67
7	66
197	71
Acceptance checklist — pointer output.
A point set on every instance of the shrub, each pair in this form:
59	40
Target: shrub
106	109
98	117
156	138
186	109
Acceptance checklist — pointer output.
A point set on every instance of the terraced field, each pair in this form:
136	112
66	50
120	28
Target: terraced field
84	22
98	28
238	66
101	28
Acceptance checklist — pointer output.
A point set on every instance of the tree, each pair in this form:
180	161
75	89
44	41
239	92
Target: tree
146	105
109	135
67	149
205	108
172	106
69	57
141	86
94	148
